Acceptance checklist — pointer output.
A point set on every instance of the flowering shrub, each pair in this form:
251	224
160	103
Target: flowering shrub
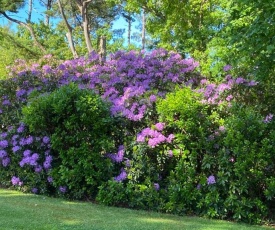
26	159
144	130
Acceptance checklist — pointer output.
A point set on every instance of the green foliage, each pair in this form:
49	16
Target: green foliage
236	150
185	155
179	25
249	143
193	125
113	193
12	47
13	6
189	118
82	131
132	195
251	34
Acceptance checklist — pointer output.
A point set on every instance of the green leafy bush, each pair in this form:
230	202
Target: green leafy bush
224	160
193	124
249	169
82	131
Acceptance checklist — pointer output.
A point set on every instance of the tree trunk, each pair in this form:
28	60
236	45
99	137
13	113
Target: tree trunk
82	6
103	50
69	34
30	11
129	31
47	17
71	44
143	30
86	29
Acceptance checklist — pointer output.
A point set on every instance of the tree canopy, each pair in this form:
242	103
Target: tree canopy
216	32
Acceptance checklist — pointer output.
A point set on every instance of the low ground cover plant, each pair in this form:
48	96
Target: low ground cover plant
143	130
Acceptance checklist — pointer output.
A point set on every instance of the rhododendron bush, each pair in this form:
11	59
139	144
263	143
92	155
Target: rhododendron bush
143	130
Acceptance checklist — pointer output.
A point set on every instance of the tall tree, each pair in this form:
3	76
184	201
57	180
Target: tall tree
83	8
129	19
30	11
69	34
90	16
48	7
143	30
251	34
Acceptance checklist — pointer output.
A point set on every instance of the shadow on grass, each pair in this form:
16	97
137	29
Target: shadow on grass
26	211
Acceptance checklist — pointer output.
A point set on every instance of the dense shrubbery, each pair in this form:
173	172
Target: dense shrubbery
82	131
143	131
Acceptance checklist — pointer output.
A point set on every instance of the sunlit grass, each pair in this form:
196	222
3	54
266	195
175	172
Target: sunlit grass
31	212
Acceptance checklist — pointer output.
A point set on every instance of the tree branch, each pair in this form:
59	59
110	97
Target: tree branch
30	11
87	1
69	34
64	16
11	39
28	27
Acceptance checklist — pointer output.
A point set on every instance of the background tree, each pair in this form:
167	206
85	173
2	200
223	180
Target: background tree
6	7
252	30
13	47
47	4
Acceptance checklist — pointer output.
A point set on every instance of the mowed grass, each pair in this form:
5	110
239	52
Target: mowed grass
31	212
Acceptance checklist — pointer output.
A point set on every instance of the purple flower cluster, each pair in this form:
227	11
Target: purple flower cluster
21	128
211	180
34	190
3	153
26	141
29	159
16	181
117	157
47	162
50	179
4	144
21	93
5	161
121	177
227	68
63	189
15	148
126	77
160	126
6	102
268	118
3	135
214	93
46	140
20	140
156	186
154	137
4	158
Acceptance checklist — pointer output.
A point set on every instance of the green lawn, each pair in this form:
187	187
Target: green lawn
30	212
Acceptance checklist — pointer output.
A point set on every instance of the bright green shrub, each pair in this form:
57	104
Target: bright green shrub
82	131
225	165
193	124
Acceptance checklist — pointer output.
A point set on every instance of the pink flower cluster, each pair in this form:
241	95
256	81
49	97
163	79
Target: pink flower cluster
216	93
154	137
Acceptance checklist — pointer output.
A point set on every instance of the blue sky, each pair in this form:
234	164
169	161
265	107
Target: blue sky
37	14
